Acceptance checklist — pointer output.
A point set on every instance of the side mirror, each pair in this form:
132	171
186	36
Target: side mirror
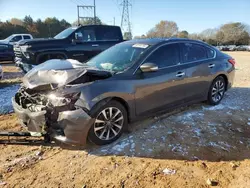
78	36
149	67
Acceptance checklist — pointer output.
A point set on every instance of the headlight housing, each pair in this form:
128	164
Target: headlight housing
57	100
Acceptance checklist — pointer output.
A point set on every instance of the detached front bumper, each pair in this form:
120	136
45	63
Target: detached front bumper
72	127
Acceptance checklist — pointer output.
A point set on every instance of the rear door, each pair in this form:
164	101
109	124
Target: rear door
155	90
200	66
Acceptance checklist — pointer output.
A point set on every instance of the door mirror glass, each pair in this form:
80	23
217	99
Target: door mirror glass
149	67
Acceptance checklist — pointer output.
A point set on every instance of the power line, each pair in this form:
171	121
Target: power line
86	8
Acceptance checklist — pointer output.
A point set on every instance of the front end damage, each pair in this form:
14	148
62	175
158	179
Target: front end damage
51	108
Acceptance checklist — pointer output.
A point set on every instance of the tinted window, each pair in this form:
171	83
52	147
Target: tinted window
108	33
16	39
88	34
165	56
193	52
26	37
210	53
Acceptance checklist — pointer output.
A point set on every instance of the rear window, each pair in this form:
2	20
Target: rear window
26	37
210	53
193	52
108	33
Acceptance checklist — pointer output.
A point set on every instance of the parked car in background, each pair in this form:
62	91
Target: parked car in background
70	101
80	43
6	52
231	47
242	48
16	38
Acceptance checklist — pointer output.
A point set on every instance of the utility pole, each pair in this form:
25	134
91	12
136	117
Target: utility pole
114	20
94	13
85	7
125	22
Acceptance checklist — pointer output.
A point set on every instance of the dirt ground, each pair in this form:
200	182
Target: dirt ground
191	145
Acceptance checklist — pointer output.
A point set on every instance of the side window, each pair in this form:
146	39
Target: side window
165	56
108	33
210	53
26	37
16	38
88	34
193	52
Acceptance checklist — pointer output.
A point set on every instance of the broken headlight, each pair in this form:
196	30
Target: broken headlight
56	100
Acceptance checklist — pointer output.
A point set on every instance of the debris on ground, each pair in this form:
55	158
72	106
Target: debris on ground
2	183
212	182
168	171
24	161
234	165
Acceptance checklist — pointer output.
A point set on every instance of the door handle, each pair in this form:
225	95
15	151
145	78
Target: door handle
211	65
95	45
180	74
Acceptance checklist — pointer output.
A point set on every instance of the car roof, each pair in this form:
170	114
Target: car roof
21	34
155	41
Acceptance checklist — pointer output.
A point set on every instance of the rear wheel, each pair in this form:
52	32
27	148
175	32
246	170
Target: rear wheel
217	91
110	122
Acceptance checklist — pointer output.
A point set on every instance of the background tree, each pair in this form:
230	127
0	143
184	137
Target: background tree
183	34
89	21
235	33
16	21
164	29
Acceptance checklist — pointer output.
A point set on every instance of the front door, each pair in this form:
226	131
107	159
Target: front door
155	90
87	47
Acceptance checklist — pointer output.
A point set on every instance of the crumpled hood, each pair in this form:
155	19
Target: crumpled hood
55	71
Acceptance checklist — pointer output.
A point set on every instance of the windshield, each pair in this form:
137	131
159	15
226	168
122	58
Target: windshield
65	33
119	57
9	38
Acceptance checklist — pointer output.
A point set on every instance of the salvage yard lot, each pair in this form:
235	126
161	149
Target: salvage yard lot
198	142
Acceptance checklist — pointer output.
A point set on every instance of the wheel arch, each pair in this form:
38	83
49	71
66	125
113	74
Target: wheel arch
39	56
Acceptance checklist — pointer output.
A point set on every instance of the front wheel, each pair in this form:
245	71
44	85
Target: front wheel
110	121
217	91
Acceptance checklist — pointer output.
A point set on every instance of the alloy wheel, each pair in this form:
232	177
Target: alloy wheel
108	123
218	90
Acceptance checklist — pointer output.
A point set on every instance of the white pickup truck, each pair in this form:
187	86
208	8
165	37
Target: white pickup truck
16	38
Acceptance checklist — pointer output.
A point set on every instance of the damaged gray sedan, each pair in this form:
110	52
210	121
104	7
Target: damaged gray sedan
70	101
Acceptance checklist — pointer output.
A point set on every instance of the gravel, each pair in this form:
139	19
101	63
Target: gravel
6	94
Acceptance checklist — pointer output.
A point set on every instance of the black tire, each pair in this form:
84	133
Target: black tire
214	99
97	112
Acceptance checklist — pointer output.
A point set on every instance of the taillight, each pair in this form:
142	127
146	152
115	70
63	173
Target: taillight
232	61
